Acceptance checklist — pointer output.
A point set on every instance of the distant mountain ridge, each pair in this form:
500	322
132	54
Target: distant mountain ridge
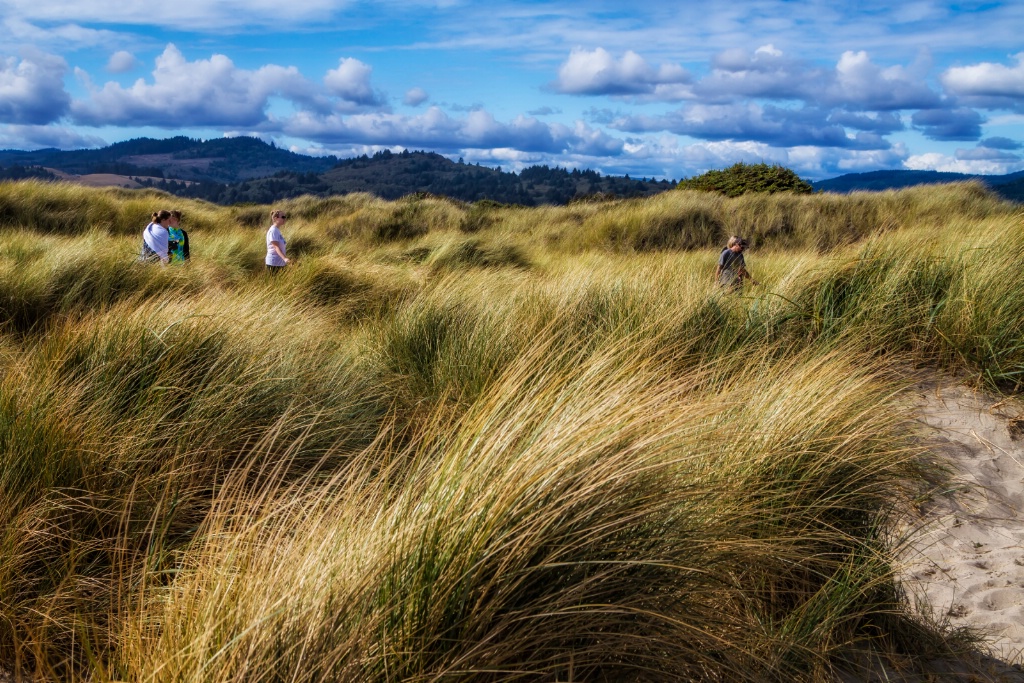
1010	186
244	169
222	160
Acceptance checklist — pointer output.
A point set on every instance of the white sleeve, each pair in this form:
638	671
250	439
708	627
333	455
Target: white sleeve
156	240
162	244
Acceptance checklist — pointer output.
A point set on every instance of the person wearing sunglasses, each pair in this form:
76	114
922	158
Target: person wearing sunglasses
276	259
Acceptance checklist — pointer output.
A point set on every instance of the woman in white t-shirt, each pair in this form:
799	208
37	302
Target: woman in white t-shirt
155	239
276	260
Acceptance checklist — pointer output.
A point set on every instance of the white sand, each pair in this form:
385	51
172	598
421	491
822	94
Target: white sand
967	565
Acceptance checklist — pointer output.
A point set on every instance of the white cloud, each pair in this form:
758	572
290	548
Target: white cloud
351	82
597	72
861	83
436	129
935	161
776	126
38	137
987	79
121	62
206	92
414	97
982	153
58	37
32	89
856	83
766	72
197	15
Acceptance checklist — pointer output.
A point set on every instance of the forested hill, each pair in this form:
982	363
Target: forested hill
222	160
232	170
1010	186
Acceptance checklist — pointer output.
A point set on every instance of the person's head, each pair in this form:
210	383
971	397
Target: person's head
278	216
737	243
175	217
160	216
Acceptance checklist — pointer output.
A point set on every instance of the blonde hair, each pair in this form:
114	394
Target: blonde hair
175	214
734	240
278	213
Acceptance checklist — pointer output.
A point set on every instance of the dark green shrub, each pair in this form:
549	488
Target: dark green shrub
742	178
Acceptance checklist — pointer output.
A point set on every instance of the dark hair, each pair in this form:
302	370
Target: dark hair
161	215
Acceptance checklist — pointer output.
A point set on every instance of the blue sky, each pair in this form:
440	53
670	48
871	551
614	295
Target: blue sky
664	90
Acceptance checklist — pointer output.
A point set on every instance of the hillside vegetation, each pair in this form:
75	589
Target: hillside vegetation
742	178
245	169
475	442
1009	186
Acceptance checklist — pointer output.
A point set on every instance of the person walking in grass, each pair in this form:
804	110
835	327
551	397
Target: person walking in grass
276	259
732	269
155	239
177	239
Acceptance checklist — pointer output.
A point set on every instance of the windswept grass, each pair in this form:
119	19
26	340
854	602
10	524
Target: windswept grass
478	442
586	519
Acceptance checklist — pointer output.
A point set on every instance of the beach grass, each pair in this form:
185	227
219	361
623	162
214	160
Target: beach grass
480	443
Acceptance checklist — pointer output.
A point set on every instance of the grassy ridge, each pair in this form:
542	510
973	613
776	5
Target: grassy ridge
477	442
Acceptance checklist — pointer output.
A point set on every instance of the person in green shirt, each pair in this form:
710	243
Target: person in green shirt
177	239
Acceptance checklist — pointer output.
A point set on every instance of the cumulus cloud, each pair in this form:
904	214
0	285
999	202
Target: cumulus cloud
981	153
121	62
414	97
199	15
206	92
351	82
436	129
860	83
948	124
681	160
40	137
55	37
855	83
987	80
32	89
766	72
1000	143
597	72
934	161
767	124
876	122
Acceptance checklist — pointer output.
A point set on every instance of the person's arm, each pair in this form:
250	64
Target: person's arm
276	246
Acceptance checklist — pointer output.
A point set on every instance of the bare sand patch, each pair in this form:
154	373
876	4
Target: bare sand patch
966	565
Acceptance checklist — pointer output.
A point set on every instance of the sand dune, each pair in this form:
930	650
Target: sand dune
968	564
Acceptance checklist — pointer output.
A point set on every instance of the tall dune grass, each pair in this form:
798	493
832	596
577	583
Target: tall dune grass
478	442
586	519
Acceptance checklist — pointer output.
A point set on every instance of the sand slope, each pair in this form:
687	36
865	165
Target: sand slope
967	565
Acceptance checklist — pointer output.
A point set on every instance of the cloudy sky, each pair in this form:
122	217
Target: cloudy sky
655	89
